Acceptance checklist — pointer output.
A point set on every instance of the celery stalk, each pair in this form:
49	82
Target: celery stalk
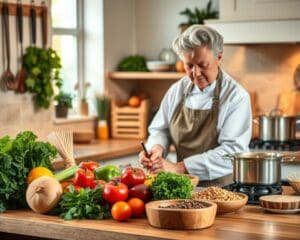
65	174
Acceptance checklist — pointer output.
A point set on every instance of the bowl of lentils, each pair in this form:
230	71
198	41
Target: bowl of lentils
227	201
181	214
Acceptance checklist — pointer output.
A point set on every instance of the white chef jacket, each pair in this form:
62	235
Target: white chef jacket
234	124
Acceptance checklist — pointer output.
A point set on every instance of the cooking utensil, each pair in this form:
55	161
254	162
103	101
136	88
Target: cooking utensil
33	23
44	21
21	75
276	127
145	150
8	79
63	141
254	168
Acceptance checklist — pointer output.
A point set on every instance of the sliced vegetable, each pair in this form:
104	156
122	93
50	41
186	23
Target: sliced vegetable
43	194
107	172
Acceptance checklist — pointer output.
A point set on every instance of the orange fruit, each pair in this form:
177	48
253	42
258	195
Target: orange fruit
137	207
121	211
134	101
38	172
179	66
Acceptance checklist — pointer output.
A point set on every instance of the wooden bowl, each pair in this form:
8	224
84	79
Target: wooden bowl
231	206
180	218
83	136
294	181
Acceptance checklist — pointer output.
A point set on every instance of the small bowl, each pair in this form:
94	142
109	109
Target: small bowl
83	136
180	218
158	66
231	206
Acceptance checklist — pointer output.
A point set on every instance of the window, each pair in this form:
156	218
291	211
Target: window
67	40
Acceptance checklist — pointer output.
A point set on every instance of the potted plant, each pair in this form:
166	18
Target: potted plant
64	102
198	16
83	103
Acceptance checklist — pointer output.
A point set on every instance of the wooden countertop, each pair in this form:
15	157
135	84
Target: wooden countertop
251	222
101	150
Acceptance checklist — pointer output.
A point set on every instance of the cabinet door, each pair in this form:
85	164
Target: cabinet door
259	9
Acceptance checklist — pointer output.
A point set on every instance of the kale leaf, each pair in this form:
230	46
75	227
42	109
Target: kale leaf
168	185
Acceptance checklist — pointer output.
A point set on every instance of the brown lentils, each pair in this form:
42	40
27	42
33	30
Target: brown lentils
185	204
216	193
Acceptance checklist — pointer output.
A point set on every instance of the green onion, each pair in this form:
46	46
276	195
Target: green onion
65	174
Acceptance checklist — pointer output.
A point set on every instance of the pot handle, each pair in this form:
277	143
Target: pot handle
229	157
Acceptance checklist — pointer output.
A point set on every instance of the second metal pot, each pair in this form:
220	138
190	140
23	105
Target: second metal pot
277	128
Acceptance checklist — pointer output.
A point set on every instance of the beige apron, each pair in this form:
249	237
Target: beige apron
194	131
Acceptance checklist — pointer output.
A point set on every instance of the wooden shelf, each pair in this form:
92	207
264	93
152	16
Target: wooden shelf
146	75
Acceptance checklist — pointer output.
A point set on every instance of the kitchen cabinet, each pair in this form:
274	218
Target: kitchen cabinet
259	10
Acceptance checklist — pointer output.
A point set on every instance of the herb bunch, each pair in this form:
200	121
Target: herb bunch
82	204
168	185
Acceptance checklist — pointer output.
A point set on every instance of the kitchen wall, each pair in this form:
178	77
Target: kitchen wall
266	69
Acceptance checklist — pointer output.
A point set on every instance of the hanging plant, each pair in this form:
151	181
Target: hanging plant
43	68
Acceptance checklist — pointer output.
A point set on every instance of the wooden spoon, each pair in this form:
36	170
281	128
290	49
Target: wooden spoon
44	19
8	78
21	75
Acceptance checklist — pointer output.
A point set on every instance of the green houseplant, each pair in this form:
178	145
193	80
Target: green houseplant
198	16
64	102
43	69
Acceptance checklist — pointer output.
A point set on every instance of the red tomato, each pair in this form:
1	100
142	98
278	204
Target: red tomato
132	176
121	211
89	165
141	191
137	207
114	192
84	178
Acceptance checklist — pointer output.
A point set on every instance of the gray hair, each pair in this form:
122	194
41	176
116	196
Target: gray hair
197	36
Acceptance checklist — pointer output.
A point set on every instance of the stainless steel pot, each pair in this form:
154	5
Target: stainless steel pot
276	127
257	168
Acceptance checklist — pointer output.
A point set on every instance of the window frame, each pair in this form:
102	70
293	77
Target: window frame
78	33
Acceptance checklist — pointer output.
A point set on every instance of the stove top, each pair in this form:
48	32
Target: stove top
275	145
255	191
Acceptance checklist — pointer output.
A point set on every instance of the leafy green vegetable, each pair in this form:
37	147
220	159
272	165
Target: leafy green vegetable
168	185
42	67
17	157
133	64
84	204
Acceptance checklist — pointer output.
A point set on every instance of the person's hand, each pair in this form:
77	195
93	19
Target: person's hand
162	164
156	152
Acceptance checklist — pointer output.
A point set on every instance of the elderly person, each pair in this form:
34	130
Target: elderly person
205	115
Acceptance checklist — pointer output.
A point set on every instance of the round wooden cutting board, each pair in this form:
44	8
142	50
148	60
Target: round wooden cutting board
280	202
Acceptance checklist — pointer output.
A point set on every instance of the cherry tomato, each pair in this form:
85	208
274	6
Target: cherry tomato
84	178
121	211
137	207
141	191
89	165
114	192
132	176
